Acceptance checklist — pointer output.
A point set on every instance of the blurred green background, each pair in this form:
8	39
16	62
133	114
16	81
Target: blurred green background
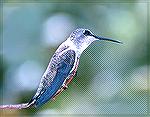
111	79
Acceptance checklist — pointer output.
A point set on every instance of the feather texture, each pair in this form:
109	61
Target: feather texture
57	72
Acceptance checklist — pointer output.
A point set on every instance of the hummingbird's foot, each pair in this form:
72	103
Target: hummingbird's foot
65	87
57	93
53	98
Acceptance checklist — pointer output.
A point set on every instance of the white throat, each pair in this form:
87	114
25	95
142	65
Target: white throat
85	43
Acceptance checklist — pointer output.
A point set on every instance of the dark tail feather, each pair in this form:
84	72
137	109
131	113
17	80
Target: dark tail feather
17	106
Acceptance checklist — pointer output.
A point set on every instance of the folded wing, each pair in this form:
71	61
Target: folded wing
56	73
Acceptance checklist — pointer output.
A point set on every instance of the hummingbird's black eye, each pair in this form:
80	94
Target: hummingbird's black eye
86	33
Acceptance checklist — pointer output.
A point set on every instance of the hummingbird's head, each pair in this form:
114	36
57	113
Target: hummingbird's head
82	38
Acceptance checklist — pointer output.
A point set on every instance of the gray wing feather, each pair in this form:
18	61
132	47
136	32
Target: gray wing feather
53	78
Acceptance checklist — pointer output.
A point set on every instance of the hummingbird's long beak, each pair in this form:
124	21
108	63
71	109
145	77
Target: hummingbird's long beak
107	39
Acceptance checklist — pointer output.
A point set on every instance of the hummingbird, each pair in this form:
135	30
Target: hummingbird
61	68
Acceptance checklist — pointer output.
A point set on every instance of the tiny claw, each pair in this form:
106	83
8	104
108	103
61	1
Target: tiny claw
65	87
53	98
